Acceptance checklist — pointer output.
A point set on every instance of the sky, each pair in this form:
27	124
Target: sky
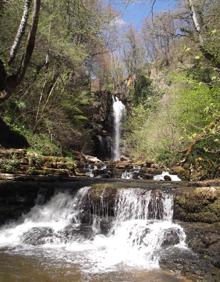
135	13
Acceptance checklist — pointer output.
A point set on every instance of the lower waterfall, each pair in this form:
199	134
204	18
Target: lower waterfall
99	238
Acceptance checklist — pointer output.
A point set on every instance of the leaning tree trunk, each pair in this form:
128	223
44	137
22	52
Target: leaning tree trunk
30	42
9	83
196	22
209	56
21	31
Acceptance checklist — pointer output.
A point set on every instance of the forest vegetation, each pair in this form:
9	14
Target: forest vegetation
55	56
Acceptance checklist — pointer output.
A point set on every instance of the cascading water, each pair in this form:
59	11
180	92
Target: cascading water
118	112
140	230
171	177
132	173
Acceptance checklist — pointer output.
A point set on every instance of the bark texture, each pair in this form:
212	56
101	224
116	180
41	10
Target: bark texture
9	83
21	31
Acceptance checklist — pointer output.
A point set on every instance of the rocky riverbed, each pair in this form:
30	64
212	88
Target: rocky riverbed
196	209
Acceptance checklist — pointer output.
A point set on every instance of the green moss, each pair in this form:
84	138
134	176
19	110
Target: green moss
216	207
198	205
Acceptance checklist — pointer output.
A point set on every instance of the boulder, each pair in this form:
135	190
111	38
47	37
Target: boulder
10	138
38	236
198	205
171	237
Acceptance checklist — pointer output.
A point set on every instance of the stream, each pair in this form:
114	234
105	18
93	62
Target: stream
112	232
59	241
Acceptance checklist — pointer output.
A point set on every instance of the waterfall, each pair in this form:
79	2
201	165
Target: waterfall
70	228
118	112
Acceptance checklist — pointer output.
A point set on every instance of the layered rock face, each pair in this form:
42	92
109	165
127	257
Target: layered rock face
198	210
21	161
200	204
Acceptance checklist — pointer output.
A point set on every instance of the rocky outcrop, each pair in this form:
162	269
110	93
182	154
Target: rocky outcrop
115	169
190	265
25	162
21	161
198	210
102	124
204	239
10	138
200	204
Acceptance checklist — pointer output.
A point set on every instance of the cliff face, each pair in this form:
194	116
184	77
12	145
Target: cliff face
102	124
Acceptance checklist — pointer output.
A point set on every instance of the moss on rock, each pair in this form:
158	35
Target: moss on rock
198	205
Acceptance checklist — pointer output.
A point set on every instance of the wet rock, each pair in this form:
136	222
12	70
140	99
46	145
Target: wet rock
124	158
204	239
38	236
189	264
142	237
206	183
100	201
171	237
167	178
155	206
105	225
73	232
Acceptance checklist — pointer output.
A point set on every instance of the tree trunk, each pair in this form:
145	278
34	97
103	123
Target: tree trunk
196	21
8	84
20	32
209	56
30	42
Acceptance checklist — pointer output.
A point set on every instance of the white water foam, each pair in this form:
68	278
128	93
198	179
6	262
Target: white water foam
139	230
127	175
160	177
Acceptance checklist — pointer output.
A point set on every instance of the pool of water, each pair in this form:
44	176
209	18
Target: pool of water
37	268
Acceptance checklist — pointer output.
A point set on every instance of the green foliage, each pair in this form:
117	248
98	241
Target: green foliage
143	92
41	144
183	112
10	165
197	104
51	105
141	86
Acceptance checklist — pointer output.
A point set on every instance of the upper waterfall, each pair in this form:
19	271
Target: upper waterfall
118	112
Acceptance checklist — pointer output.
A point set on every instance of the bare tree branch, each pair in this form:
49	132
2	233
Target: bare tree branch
152	10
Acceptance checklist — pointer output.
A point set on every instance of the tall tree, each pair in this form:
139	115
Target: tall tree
9	82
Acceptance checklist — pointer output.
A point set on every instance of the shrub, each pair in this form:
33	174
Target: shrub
180	115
